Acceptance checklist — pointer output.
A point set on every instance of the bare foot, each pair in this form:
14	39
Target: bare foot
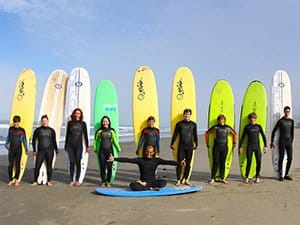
177	183
246	181
34	184
224	181
17	183
212	181
10	183
71	184
154	188
187	183
77	184
102	185
257	180
108	185
49	184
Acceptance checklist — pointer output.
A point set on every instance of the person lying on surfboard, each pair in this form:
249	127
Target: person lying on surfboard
220	148
188	142
252	130
14	140
149	136
46	138
105	139
147	166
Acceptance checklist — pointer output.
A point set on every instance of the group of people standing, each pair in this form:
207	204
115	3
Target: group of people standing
44	144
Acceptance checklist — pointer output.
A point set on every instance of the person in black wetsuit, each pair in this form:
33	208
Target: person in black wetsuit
46	138
285	125
105	139
149	136
147	166
76	131
220	148
14	140
188	142
252	130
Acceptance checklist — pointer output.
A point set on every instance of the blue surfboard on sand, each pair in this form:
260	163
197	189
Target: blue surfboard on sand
166	191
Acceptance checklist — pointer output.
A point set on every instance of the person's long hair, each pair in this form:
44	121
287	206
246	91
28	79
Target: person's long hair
101	123
73	114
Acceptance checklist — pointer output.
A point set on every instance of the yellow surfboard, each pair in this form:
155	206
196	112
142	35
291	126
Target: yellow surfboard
144	101
183	96
23	105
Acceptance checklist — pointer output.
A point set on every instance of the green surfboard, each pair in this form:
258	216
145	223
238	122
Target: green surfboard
106	104
255	100
221	102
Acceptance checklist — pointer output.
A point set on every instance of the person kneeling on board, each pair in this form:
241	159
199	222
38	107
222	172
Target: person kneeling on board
147	166
220	148
252	130
46	138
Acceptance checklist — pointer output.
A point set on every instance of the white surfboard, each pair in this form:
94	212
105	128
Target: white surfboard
79	96
280	97
53	102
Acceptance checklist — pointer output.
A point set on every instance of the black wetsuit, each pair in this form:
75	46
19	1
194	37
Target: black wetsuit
15	137
76	130
188	139
107	138
46	138
286	129
149	136
220	148
253	131
147	169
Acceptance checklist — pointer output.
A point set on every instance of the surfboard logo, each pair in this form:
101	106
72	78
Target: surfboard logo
58	86
254	107
281	85
141	90
179	86
222	106
78	84
21	90
110	108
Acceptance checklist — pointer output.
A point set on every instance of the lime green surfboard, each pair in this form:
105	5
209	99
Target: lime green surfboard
255	100
106	104
221	102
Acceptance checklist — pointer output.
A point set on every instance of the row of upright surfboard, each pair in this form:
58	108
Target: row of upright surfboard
145	103
64	93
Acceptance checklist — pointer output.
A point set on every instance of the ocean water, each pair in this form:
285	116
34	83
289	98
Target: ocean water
125	135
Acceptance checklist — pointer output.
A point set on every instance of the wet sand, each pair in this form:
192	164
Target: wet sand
270	202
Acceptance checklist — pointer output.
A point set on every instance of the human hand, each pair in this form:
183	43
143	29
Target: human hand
265	150
240	150
111	158
183	162
88	150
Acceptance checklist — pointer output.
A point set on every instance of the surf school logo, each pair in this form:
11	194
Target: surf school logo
78	84
110	108
180	93
222	106
21	92
254	107
281	85
58	86
141	90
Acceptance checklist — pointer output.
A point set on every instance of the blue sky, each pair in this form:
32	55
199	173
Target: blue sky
239	41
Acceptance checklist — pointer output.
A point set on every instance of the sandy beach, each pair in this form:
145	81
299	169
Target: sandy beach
270	202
